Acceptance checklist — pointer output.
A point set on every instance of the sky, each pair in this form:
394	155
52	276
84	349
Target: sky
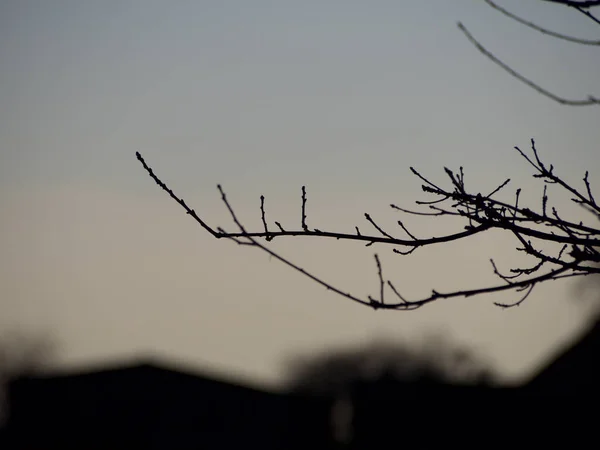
264	97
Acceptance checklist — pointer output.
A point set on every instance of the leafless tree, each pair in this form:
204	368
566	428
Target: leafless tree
558	247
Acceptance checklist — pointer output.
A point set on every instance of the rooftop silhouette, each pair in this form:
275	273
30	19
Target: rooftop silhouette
147	404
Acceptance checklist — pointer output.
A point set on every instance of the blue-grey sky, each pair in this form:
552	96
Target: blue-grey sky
264	97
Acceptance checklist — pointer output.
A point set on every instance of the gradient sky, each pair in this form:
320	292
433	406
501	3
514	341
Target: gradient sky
264	97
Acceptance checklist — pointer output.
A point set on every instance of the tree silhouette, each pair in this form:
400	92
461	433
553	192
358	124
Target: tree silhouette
433	360
356	380
558	247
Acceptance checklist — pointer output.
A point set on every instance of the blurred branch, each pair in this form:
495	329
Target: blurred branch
564	101
582	7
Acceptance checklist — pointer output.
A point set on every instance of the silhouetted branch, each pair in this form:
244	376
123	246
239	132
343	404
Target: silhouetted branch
588	14
579	253
589	101
582	7
540	29
576	4
304	226
481	212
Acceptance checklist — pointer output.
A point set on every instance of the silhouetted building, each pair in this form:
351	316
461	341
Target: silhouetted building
575	371
148	406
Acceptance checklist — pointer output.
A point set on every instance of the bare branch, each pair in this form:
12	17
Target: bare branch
189	211
576	4
528	289
264	221
406	231
589	101
547	173
373	301
588	14
540	29
377	227
538	234
487	212
304	226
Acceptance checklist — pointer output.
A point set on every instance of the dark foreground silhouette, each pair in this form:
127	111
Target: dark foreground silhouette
147	405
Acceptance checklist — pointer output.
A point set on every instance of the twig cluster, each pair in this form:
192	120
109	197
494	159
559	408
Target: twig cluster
578	255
